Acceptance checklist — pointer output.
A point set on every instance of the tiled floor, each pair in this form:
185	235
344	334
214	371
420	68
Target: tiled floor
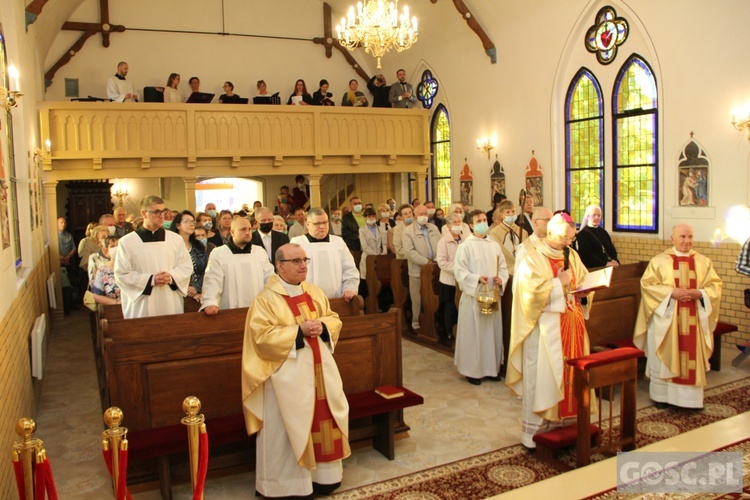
458	420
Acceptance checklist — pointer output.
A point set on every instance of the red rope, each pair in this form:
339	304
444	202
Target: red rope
18	469
51	488
108	459
40	480
202	466
122	486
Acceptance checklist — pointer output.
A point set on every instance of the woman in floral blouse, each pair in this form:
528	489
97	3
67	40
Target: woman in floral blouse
105	288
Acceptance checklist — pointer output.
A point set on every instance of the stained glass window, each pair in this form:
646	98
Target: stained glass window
584	149
634	110
440	138
427	89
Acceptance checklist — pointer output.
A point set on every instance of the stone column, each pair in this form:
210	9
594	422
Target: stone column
419	192
190	192
50	195
314	180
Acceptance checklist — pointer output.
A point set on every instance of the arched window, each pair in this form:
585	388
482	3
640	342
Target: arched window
440	141
636	174
584	144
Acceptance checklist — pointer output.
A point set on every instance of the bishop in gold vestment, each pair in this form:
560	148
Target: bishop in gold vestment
292	392
680	294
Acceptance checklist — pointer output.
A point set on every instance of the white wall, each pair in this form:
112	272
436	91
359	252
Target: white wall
519	100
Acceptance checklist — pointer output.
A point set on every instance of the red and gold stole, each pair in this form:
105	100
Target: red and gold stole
687	319
326	435
572	333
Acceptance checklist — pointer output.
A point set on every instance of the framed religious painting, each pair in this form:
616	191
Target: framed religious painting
497	179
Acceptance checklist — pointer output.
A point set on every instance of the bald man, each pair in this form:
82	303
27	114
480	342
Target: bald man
680	295
236	272
118	89
539	220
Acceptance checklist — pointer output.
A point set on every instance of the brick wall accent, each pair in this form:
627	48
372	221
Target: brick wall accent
724	257
17	390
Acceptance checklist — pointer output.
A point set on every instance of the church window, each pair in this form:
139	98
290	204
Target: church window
440	138
427	89
584	146
635	149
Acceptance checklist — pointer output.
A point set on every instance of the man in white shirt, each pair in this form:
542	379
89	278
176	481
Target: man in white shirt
236	272
332	267
298	228
265	236
118	89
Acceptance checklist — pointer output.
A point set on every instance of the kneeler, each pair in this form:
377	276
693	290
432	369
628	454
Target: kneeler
606	370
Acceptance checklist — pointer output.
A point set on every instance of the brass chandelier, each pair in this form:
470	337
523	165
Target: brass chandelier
378	27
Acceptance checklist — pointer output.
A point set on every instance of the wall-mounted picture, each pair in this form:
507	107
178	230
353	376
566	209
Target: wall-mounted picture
497	179
692	169
467	185
534	182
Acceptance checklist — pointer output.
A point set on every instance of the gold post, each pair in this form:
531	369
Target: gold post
113	438
192	405
25	450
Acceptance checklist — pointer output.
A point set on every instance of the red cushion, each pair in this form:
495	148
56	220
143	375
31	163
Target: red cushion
605	358
564	436
722	328
368	403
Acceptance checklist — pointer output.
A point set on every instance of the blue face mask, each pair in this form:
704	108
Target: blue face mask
392	205
212	213
409	220
204	241
480	228
167	224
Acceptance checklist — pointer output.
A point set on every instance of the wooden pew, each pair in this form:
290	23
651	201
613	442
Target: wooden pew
429	291
378	275
154	363
400	286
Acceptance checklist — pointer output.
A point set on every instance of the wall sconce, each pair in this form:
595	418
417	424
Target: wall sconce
743	123
485	145
120	191
43	154
9	98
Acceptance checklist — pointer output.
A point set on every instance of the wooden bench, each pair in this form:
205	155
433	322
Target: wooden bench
154	363
378	276
429	292
400	287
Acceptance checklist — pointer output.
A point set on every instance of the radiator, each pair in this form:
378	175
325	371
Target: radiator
37	346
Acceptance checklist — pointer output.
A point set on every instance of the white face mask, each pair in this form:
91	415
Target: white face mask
430	212
357	208
422	220
385	215
371	222
509	219
111	230
456	229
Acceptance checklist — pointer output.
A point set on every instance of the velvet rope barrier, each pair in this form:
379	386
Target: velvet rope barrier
51	488
40	481
202	464
18	470
107	453
122	485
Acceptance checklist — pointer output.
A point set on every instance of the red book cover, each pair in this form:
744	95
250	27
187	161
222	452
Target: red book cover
389	391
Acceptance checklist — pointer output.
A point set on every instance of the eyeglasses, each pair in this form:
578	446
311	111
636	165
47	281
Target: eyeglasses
324	223
297	262
187	221
158	213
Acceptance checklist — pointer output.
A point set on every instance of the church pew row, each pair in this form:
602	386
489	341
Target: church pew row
152	364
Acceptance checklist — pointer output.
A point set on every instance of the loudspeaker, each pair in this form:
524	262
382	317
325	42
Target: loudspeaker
151	94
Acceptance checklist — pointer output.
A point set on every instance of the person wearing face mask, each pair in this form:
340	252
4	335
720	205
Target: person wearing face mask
479	261
265	236
420	241
507	233
211	210
284	198
383	212
184	225
350	224
457	208
395	237
279	224
201	235
391	204
431	215
593	243
101	256
300	193
446	253
335	222
374	242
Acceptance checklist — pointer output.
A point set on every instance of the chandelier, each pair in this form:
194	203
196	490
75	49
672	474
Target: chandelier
377	27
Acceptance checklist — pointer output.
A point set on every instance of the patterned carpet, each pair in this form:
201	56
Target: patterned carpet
512	467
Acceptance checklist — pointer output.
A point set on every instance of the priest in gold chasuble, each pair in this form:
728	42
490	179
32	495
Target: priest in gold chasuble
292	393
680	295
547	327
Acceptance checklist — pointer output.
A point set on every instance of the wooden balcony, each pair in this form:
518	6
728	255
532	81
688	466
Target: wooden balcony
108	140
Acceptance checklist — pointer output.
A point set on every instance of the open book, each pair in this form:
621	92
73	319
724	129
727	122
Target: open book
596	280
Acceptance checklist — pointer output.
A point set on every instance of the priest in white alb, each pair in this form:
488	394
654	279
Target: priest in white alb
680	296
236	272
292	393
479	262
332	266
547	327
539	220
153	267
